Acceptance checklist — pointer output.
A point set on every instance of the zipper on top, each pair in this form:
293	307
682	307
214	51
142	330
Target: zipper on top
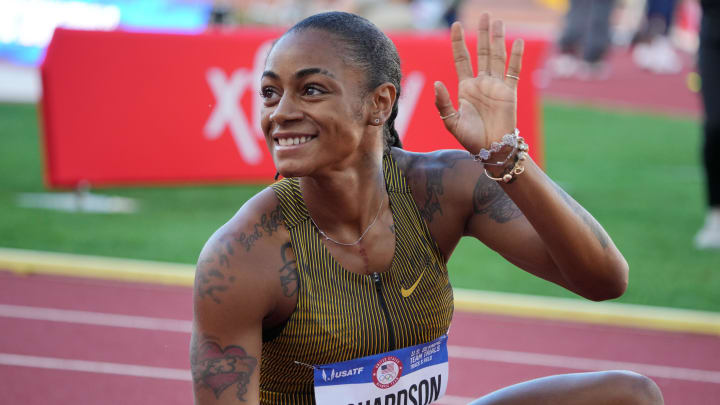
383	305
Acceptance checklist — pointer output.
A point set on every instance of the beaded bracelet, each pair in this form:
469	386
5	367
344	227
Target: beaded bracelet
517	167
510	139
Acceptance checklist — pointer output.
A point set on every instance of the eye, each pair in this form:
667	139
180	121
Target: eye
313	90
267	93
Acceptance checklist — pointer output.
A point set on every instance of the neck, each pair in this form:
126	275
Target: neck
343	203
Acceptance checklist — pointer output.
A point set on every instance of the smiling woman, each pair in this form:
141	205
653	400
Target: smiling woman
342	265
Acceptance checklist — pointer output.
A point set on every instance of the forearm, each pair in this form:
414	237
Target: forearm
584	255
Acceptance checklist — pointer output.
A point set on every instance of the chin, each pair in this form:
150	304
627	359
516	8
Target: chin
287	169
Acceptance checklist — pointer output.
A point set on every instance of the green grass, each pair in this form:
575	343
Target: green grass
638	174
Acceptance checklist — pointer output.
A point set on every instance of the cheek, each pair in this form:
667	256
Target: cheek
265	122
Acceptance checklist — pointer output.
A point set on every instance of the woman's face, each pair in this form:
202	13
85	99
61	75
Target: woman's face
314	116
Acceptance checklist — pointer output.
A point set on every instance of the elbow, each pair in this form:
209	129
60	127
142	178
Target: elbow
613	285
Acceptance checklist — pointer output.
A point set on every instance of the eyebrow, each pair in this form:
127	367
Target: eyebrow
312	71
300	73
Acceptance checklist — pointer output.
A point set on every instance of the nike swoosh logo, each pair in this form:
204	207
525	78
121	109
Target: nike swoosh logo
408	292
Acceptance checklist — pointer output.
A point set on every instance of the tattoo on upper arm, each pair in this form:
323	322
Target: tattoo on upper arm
268	224
490	199
288	271
211	281
210	278
596	229
218	368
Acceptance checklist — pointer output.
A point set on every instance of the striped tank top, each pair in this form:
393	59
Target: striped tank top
342	315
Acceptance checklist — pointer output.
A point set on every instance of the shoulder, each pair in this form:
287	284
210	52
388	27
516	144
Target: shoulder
416	163
442	184
237	264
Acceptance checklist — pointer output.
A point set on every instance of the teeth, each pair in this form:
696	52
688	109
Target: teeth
293	141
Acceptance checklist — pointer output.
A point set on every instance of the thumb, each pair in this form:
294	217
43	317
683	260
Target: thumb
444	105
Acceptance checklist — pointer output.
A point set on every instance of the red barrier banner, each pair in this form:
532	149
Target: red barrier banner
124	108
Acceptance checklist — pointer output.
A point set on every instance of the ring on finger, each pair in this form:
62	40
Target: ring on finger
448	116
512	76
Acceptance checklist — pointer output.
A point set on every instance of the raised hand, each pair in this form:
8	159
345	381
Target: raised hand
487	103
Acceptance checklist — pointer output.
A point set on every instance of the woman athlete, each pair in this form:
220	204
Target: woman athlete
346	257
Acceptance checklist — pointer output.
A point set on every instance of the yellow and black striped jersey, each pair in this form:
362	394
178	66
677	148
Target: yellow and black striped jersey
342	315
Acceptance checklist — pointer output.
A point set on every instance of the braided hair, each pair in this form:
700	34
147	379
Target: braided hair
365	47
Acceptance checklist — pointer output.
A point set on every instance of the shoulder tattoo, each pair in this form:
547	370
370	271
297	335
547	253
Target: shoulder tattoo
268	224
490	199
434	187
212	276
219	368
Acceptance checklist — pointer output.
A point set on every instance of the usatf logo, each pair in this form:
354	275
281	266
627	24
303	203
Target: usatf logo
340	373
387	372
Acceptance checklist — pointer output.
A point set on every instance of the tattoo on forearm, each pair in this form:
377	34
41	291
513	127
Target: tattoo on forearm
288	271
489	199
268	224
596	229
219	368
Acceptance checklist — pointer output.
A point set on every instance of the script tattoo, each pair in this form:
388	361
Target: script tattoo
288	271
268	224
218	368
600	235
490	199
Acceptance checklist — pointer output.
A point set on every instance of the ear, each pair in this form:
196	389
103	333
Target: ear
382	100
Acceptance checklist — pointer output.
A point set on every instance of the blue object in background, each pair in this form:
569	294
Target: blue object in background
26	26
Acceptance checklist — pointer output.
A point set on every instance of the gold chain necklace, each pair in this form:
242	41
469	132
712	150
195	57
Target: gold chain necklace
326	236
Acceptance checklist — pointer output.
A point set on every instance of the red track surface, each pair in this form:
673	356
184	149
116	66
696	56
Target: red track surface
518	340
629	87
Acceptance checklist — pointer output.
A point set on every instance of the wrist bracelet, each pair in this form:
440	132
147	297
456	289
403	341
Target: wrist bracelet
511	139
517	168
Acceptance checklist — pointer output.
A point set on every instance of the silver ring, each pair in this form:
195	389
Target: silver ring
448	116
512	76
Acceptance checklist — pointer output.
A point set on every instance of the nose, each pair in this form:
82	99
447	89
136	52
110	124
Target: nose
286	110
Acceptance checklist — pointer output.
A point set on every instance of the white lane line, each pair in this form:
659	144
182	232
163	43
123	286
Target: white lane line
163	373
463	352
95	367
580	363
95	318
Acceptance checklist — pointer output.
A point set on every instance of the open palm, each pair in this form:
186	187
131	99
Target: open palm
487	102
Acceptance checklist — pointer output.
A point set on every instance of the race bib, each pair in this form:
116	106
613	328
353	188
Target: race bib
416	375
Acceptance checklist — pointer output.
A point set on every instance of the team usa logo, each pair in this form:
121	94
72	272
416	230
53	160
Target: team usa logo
387	372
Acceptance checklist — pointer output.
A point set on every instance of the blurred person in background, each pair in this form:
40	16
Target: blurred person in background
347	256
709	64
584	41
652	48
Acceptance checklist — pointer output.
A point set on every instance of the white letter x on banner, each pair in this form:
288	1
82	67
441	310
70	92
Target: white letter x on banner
228	112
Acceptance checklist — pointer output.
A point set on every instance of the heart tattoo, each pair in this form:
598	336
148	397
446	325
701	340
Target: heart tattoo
219	368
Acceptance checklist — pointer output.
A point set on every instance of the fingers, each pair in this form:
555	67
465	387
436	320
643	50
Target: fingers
463	67
515	65
498	55
444	105
483	44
